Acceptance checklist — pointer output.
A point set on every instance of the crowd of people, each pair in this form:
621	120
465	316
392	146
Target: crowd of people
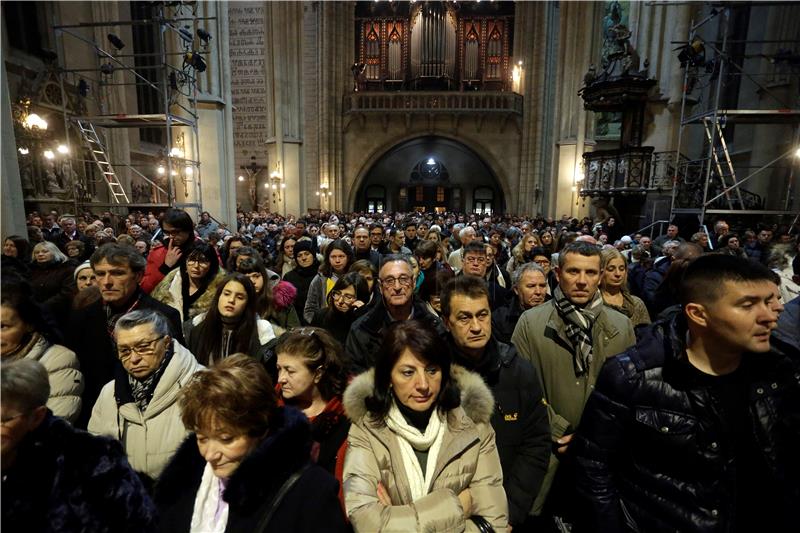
398	372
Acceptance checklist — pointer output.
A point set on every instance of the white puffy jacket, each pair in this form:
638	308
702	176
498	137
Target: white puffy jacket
150	438
66	380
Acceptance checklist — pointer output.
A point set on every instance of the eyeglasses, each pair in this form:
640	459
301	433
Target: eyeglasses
173	232
144	349
198	262
542	262
403	280
348	298
476	260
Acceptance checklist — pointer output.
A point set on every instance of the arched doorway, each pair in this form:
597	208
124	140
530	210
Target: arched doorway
430	174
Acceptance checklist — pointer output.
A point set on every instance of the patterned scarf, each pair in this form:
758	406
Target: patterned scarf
142	390
579	322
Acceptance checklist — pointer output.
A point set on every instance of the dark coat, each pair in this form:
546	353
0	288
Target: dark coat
311	505
301	279
654	452
371	255
53	287
505	319
655	297
366	335
68	480
89	338
62	239
522	429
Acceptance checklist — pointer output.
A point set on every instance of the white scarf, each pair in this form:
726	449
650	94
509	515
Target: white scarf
210	514
408	437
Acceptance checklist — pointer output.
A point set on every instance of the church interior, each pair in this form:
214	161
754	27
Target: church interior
646	111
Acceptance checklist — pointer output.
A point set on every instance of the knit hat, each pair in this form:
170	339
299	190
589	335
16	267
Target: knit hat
82	266
303	245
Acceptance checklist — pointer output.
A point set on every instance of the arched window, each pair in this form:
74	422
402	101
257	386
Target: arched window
376	199
482	199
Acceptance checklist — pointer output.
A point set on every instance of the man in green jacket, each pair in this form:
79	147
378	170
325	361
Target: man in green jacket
567	339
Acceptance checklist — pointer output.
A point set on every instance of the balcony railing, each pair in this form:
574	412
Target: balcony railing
433	102
634	170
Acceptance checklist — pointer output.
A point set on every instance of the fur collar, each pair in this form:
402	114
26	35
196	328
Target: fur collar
476	398
285	449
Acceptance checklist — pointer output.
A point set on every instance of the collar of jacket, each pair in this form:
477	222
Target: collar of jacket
285	449
378	317
476	398
495	356
180	368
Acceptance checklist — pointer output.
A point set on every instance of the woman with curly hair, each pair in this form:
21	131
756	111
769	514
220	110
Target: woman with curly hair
521	253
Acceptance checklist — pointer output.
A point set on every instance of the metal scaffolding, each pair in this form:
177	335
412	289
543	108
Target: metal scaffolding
714	182
171	73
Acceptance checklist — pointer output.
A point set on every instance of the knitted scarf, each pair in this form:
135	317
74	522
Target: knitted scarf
409	437
142	390
578	322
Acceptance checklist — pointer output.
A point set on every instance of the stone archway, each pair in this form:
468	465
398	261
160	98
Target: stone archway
428	172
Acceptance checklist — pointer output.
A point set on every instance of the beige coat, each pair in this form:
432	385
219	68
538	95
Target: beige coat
541	339
66	380
149	439
468	459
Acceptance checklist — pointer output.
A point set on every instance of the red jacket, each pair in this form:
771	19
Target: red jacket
156	270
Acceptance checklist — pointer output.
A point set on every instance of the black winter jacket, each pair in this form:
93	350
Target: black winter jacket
522	430
311	505
654	452
366	335
68	480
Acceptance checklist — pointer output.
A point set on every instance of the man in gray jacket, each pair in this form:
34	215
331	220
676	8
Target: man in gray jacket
567	339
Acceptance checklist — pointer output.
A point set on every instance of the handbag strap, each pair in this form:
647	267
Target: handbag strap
482	524
276	501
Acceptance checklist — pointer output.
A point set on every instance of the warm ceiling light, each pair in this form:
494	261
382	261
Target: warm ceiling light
48	154
161	170
34	121
241	178
23	151
62	149
176	152
189	170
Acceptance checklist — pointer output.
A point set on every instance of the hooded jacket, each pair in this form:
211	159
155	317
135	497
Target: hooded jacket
149	438
170	292
311	505
655	452
468	459
63	372
68	480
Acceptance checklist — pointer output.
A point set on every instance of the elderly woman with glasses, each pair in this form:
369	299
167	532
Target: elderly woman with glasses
247	467
140	406
190	288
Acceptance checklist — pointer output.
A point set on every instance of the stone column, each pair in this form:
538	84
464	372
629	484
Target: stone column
13	206
579	40
284	23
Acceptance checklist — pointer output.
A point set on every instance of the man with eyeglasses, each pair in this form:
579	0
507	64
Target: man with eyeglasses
117	269
140	405
376	238
476	264
522	431
396	279
179	227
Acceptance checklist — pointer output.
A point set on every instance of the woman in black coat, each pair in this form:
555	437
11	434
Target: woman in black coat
52	279
247	467
346	302
301	275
